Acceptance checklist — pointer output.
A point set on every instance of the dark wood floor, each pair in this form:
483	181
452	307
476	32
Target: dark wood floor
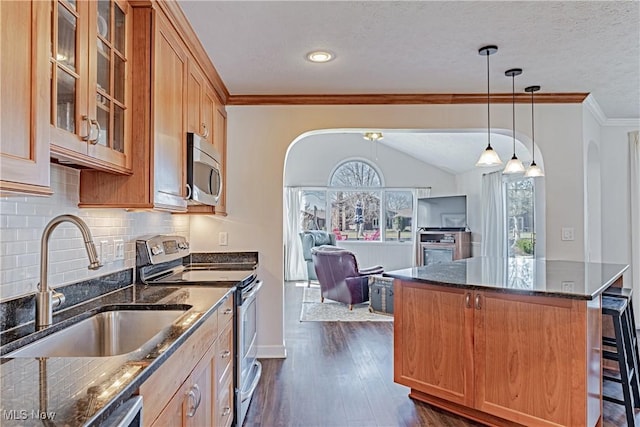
341	374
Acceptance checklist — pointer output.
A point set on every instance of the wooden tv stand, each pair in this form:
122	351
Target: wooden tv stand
442	246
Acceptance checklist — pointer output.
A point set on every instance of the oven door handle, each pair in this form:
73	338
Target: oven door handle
244	395
253	292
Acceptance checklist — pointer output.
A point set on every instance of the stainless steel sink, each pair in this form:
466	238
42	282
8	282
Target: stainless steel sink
109	333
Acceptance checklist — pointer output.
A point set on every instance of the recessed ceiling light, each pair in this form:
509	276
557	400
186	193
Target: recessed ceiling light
320	56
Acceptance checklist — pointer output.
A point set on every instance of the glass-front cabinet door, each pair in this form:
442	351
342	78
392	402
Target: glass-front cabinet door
90	86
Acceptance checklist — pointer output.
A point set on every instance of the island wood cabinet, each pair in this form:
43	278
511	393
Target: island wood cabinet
91	84
24	97
160	82
499	358
194	387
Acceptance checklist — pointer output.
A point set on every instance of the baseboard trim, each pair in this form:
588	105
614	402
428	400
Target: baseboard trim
272	352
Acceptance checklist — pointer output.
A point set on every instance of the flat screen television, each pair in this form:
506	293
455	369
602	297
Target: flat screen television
446	213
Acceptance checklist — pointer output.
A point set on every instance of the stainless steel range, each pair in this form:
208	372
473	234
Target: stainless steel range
163	260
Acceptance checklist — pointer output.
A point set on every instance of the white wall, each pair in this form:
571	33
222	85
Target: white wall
258	138
592	185
616	216
22	221
312	159
470	183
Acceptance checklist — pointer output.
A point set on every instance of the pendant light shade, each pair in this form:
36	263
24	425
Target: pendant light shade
533	170
489	157
514	166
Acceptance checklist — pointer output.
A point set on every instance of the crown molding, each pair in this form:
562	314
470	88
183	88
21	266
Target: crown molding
592	105
399	99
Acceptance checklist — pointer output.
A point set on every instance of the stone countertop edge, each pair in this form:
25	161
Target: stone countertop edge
506	290
128	391
149	361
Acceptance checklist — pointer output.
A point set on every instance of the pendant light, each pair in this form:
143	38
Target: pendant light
514	165
533	170
488	157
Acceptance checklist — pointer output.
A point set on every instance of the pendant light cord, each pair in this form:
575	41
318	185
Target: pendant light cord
488	105
513	110
533	136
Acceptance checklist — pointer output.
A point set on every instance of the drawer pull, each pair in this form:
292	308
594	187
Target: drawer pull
225	354
195	398
478	302
226	411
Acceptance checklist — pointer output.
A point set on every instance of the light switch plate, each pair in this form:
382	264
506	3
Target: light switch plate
223	238
103	251
567	234
118	249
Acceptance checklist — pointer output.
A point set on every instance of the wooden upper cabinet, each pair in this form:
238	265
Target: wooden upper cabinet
169	116
158	179
201	102
91	84
24	97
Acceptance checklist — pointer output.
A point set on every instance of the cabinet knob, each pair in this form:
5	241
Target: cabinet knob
205	132
228	311
225	354
226	411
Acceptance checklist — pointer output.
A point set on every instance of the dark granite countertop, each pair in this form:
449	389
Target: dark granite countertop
84	391
526	276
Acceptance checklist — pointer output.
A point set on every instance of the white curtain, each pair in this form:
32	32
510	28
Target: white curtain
493	227
293	260
419	194
634	187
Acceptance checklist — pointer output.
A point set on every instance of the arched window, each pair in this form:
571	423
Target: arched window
355	173
356	206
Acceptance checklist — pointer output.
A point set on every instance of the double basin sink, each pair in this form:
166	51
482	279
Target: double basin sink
113	331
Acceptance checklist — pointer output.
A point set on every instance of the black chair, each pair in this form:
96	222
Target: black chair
623	342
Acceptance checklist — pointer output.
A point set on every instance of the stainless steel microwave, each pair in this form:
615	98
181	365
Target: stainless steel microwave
204	172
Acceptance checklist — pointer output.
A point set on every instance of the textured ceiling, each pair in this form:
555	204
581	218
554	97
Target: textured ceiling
425	47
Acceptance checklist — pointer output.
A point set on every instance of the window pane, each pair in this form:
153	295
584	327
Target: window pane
520	226
66	102
66	52
355	174
119	29
355	215
118	129
313	210
398	214
104	18
103	119
119	79
103	66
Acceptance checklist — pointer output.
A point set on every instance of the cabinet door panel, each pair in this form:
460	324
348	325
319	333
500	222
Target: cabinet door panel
522	349
169	118
24	97
194	98
433	341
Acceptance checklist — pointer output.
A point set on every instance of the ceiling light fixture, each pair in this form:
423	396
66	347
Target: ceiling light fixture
533	170
488	157
514	165
320	56
373	136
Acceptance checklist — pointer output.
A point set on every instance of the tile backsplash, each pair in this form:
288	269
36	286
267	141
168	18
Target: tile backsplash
22	220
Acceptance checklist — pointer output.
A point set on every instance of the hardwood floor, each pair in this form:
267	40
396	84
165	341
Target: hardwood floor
341	374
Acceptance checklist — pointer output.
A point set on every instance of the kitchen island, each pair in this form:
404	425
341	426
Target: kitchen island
504	341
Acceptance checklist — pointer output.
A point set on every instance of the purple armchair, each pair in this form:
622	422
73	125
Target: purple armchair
339	276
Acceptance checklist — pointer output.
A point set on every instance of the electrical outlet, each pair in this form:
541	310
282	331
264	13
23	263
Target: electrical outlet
568	286
567	233
223	238
103	251
118	249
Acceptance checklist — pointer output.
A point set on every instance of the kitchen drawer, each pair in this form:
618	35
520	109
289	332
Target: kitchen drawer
170	376
225	312
224	353
224	410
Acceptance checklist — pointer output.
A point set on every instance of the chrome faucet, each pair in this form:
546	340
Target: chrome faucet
46	298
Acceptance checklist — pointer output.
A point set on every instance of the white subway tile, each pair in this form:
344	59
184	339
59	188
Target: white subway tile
16	221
